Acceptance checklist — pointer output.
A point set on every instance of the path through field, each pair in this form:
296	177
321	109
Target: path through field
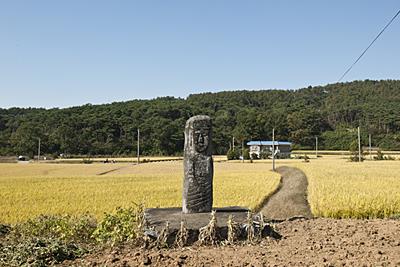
290	200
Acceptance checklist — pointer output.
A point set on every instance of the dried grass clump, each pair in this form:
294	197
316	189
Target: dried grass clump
208	233
233	230
250	228
162	238
261	225
182	236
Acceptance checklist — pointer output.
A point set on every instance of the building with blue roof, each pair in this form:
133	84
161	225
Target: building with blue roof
263	149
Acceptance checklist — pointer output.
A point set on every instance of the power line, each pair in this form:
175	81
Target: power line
380	33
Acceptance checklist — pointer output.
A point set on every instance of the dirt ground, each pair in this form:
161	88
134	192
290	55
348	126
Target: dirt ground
305	242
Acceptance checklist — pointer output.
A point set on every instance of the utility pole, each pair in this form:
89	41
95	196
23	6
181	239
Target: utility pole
359	144
38	154
316	146
138	147
242	150
273	149
369	143
233	143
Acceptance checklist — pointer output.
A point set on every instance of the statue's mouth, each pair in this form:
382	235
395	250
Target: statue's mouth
201	147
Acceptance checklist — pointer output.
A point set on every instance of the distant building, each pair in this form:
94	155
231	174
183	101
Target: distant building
282	149
22	158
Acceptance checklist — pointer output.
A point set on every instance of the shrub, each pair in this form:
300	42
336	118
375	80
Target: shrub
47	240
122	226
51	239
35	251
246	154
254	156
354	152
264	154
233	154
381	156
64	227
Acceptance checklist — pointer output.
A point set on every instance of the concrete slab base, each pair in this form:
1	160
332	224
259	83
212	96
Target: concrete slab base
158	217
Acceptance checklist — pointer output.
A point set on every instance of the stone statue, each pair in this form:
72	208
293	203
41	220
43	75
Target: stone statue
198	166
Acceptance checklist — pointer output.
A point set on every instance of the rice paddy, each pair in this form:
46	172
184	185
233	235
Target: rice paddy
28	190
337	188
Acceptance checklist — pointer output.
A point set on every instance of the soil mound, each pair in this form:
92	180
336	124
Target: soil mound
290	200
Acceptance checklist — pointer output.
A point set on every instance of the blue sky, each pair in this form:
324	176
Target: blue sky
68	53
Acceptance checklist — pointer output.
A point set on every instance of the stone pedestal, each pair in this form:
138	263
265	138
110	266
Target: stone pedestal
157	218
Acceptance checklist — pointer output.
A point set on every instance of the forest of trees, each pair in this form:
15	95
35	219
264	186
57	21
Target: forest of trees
331	112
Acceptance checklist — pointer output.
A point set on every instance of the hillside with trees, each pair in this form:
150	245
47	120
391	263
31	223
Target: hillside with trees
331	112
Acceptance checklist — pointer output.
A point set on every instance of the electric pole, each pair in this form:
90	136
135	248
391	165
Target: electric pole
138	147
242	150
38	154
369	143
273	149
233	143
359	145
316	146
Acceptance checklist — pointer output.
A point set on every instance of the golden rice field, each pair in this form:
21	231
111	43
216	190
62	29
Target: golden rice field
342	189
337	188
27	190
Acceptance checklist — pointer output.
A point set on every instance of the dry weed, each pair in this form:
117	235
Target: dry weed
208	233
182	235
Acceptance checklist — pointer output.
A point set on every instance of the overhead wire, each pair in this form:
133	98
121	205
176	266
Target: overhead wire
365	50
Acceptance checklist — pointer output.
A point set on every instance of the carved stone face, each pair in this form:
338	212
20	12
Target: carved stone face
201	139
198	135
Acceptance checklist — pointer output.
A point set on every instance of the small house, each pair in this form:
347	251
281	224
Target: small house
22	158
259	148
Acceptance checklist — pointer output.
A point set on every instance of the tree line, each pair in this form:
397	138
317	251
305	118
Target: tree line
332	113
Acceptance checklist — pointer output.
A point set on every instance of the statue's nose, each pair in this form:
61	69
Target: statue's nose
201	138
